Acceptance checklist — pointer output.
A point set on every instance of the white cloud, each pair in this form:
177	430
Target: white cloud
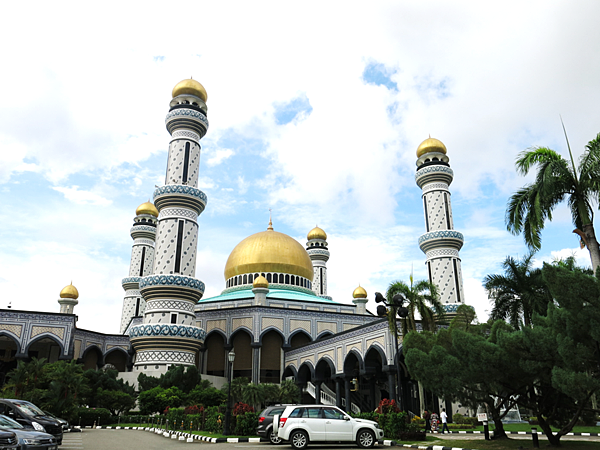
219	156
82	197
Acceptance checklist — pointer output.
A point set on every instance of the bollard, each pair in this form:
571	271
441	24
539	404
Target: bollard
534	437
486	430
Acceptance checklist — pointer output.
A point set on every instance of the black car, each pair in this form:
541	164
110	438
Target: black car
8	440
28	439
30	416
265	423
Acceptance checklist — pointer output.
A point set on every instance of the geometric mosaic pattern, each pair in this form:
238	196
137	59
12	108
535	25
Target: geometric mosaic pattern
161	356
154	305
272	322
14	329
36	331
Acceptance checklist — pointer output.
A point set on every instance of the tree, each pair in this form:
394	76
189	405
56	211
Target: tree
421	297
289	392
237	387
253	395
117	402
557	180
518	293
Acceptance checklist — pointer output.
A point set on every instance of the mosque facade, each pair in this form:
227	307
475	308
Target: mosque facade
274	313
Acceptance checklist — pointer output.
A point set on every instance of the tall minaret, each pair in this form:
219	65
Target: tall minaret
169	334
68	299
143	233
440	243
317	250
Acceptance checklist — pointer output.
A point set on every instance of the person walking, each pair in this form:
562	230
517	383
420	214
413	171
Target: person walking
427	418
444	418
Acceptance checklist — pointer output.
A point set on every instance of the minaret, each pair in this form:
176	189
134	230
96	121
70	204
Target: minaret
169	334
359	298
317	250
68	299
143	233
260	289
440	243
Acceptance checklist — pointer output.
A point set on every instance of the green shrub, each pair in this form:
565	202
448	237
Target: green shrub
176	417
88	416
214	420
245	424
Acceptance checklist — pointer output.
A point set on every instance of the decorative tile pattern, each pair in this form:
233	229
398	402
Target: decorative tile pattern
14	329
185	134
435	187
216	325
153	305
178	212
444	252
172	280
433	169
380	340
326	326
241	322
37	330
303	324
327	353
180	189
167	330
184	112
272	322
440	235
168	356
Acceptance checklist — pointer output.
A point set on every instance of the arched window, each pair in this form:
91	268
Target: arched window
236	281
240	279
269	277
245	279
287	279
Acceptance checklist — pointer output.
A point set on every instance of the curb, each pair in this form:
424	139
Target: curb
521	432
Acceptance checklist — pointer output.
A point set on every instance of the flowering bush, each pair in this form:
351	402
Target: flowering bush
194	409
387	406
242	408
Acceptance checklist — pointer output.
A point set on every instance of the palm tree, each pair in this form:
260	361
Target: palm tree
289	392
421	297
557	180
518	293
253	395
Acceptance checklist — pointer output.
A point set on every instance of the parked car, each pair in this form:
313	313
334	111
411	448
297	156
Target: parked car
8	440
30	416
265	423
303	424
63	422
28	439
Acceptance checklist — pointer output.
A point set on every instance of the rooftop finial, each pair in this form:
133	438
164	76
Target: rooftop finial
270	227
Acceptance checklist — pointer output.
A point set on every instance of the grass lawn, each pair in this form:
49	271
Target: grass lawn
527	427
504	444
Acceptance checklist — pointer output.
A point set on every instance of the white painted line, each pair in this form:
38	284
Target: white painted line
253	439
233	440
521	432
586	434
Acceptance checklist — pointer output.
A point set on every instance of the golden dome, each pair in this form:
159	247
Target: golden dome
69	291
260	282
147	208
316	233
269	251
431	145
191	87
359	292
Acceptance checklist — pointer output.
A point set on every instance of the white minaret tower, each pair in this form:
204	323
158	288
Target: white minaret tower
68	299
440	243
319	254
359	298
143	233
169	334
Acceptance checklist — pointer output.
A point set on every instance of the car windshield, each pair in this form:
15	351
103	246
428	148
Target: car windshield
9	424
29	409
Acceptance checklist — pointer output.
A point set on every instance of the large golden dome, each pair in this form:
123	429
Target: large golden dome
191	87
269	251
69	291
147	208
316	233
431	145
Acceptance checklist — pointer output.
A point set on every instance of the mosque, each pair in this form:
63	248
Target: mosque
274	316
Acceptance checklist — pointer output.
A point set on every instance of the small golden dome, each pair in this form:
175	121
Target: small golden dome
147	208
359	292
69	291
316	233
269	251
431	145
191	87
260	282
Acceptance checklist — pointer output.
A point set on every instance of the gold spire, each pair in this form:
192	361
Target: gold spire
270	227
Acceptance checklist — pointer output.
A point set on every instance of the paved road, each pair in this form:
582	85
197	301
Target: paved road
133	439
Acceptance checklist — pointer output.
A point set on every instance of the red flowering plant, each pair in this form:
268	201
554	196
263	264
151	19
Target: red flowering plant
242	408
387	406
193	409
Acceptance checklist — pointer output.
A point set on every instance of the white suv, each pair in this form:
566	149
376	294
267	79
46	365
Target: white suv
301	424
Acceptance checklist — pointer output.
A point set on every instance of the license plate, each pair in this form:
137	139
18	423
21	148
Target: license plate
54	447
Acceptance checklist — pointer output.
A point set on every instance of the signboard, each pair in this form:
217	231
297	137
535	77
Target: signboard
482	417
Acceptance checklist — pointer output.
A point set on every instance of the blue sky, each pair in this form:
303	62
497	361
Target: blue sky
317	117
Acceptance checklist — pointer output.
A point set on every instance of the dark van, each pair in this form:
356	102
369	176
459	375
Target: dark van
30	416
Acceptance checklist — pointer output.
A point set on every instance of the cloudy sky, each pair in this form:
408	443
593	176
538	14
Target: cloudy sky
316	110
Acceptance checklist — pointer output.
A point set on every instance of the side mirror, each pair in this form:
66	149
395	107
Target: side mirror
346	417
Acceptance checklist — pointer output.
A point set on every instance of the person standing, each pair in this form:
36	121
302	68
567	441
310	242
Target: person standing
427	418
444	418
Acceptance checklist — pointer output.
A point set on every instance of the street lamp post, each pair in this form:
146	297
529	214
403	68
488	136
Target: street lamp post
396	303
230	359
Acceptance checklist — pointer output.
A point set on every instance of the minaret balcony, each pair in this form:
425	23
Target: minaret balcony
434	173
187	118
184	331
318	253
441	239
130	283
180	195
171	286
143	231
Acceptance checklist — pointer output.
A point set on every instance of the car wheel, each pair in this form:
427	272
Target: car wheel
273	438
365	439
299	440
